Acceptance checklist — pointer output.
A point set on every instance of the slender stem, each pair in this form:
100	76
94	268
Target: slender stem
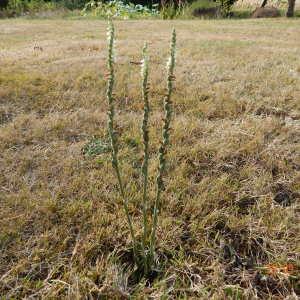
112	134
165	140
145	133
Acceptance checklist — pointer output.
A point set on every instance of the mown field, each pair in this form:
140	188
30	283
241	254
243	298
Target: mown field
229	224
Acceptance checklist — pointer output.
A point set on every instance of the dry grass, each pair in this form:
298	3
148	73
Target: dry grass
251	4
231	208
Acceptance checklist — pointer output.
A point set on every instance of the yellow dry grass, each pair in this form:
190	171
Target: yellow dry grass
231	206
256	3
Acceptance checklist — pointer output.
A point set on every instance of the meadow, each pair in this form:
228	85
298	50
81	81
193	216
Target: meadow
229	221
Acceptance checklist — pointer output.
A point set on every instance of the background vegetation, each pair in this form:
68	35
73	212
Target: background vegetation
132	9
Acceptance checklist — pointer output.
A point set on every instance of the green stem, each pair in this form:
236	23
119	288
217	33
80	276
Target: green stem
165	141
112	134
145	133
